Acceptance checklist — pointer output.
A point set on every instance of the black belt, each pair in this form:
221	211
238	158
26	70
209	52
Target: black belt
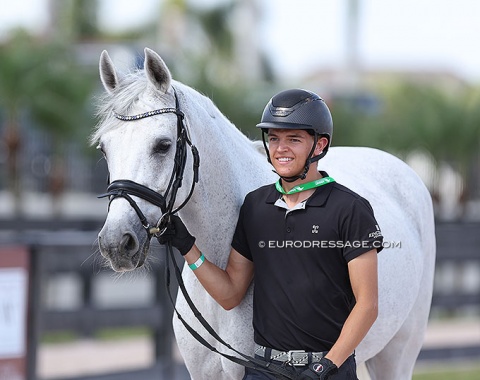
293	357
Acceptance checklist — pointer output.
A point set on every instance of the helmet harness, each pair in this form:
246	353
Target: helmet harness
298	109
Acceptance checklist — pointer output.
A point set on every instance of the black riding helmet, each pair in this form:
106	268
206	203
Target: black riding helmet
298	109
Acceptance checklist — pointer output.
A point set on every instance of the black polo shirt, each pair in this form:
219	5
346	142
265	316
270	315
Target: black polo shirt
302	293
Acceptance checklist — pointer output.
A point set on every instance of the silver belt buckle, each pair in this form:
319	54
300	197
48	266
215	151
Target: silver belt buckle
291	359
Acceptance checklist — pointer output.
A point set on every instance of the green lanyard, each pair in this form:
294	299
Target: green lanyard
306	186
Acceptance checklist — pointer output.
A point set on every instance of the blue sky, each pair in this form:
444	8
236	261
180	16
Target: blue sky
305	34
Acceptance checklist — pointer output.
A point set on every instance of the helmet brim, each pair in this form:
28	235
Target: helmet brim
277	125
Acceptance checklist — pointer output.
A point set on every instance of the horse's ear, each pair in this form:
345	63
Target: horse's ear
108	74
157	71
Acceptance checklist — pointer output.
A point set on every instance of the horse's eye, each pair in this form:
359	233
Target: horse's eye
162	146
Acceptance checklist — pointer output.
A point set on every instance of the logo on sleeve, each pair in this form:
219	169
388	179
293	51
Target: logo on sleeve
375	234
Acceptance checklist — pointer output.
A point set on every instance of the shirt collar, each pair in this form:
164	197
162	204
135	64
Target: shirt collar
318	198
282	204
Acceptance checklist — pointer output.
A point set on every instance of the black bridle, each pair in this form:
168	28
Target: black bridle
124	188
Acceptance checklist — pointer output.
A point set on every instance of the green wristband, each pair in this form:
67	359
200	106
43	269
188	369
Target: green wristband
197	263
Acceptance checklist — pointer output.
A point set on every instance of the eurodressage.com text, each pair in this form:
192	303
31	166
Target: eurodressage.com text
328	244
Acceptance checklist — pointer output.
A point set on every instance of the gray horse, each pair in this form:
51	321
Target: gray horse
143	151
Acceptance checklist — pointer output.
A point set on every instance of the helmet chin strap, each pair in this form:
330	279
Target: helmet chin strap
307	163
305	170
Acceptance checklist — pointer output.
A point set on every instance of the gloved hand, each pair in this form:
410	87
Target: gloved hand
178	235
321	370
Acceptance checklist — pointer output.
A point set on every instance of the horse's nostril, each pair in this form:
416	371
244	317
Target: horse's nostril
130	244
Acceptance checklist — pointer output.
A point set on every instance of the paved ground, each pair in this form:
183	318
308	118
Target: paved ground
94	357
58	361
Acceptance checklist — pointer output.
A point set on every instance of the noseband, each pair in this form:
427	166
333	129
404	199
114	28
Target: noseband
124	188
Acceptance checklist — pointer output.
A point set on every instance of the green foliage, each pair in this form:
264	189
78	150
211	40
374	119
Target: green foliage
105	334
243	106
45	80
120	333
19	59
60	94
215	23
354	123
61	336
85	13
414	117
75	20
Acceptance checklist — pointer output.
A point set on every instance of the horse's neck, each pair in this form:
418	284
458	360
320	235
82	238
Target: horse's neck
230	167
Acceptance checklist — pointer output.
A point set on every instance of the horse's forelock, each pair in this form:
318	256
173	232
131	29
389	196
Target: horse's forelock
121	100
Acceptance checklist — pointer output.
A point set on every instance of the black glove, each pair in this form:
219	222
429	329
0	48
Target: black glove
178	235
321	370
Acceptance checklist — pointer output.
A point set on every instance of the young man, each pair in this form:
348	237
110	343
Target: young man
310	243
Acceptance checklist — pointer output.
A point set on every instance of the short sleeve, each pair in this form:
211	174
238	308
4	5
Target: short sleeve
360	231
239	241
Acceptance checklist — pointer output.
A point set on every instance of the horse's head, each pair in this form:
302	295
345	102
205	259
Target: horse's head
140	152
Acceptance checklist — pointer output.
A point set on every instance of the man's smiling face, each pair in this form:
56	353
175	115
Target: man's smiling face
289	150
